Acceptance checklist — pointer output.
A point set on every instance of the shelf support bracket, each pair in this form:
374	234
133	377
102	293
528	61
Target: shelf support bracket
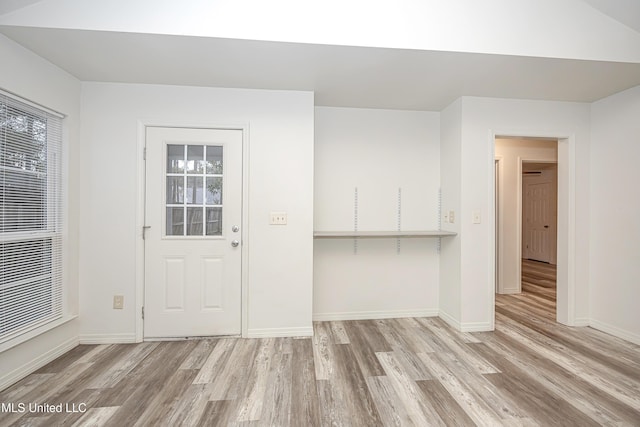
355	220
399	219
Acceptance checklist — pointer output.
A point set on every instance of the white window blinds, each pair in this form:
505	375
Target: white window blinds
30	217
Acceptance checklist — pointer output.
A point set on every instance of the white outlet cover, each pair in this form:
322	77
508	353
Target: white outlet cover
278	218
118	302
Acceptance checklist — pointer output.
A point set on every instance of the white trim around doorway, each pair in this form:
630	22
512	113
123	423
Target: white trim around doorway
566	244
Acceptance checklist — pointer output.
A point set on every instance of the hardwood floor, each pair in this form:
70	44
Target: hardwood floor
397	372
539	278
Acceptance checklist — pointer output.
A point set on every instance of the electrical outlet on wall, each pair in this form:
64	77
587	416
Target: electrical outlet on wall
118	302
475	217
278	218
452	217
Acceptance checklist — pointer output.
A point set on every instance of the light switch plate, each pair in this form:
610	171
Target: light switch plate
452	217
476	217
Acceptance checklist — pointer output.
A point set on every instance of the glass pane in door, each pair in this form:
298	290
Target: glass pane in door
214	160
214	191
175	190
194	221
195	159
194	190
175	221
214	221
194	183
175	158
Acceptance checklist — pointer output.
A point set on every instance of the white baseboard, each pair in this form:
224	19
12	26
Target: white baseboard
449	319
107	338
476	327
33	365
581	321
465	327
615	331
302	331
370	315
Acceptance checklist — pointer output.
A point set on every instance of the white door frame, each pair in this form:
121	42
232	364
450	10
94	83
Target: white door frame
498	222
143	124
519	194
566	244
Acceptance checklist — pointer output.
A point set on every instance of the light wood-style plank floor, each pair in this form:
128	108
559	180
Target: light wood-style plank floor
399	372
539	278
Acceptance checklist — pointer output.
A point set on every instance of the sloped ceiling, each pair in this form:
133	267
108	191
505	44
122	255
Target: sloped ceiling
626	12
340	75
8	6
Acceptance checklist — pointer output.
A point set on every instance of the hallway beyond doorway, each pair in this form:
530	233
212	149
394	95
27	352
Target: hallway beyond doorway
538	294
539	279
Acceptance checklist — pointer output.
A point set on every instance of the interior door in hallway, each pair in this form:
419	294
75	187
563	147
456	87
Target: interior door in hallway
538	222
193	213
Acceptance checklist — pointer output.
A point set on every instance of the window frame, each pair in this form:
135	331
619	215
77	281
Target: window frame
52	225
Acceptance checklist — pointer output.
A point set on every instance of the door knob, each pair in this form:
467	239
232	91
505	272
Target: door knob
235	243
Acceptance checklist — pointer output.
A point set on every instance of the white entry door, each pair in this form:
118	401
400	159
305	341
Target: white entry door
537	224
193	212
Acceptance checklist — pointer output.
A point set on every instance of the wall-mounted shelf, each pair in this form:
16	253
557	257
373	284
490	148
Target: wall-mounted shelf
380	234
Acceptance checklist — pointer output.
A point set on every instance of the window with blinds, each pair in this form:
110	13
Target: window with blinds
30	217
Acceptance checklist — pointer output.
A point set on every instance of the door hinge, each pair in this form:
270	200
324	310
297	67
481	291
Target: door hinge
144	153
143	313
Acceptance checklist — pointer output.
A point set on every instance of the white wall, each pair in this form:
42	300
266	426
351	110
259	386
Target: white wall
377	151
280	179
511	153
482	118
615	209
33	78
451	186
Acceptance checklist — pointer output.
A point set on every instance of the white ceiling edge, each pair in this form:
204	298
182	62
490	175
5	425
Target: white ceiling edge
570	29
339	76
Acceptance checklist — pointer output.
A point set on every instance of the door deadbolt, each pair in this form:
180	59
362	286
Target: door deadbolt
235	228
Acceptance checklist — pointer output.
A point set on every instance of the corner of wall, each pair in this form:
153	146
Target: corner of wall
613	246
452	321
40	81
451	186
25	358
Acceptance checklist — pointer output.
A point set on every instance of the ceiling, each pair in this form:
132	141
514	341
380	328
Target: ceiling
624	11
342	76
7	6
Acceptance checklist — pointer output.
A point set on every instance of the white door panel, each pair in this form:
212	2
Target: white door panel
193	201
537	220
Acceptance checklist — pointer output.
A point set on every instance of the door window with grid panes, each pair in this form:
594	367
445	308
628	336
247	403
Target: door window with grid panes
194	183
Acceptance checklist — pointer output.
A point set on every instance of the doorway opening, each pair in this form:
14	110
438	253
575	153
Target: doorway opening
526	229
539	233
